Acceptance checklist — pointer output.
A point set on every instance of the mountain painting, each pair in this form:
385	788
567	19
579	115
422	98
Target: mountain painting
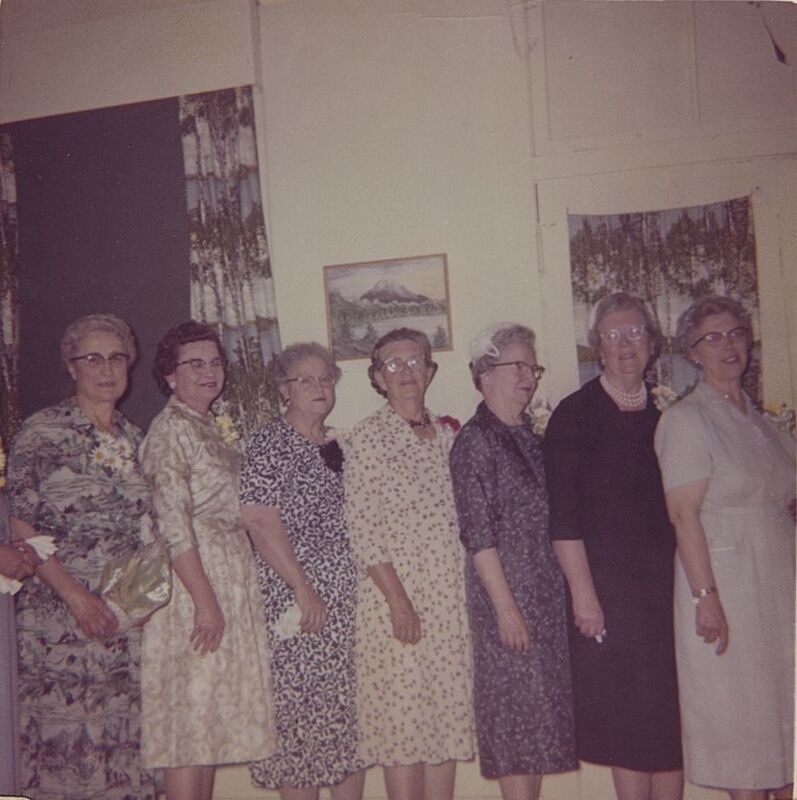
367	300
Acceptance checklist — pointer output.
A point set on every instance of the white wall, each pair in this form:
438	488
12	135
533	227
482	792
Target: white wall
393	128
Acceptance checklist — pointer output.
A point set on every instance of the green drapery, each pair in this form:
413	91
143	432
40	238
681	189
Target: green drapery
9	294
231	282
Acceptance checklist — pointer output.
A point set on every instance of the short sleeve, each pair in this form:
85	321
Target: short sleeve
474	478
263	474
166	456
364	479
564	449
680	442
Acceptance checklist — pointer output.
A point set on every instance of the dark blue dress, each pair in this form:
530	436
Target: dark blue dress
523	703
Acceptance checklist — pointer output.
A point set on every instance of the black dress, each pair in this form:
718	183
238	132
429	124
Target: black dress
605	487
523	701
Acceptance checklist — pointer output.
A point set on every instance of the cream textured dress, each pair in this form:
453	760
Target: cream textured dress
214	708
414	701
737	709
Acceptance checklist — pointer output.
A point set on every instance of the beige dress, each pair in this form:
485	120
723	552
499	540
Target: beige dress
414	701
214	708
737	709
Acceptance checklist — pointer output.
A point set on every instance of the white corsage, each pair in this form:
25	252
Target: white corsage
287	626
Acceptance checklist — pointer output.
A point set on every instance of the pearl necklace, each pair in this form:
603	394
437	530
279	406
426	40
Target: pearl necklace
629	400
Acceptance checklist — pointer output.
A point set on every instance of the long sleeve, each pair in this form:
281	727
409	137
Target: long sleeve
166	461
564	448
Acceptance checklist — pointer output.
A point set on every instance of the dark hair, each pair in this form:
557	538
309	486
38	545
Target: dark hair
704	307
398	335
169	347
622	301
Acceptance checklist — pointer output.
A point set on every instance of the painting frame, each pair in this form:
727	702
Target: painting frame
366	299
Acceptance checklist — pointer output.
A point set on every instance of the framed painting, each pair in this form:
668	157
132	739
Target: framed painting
366	300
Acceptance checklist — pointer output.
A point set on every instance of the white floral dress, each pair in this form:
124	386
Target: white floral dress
214	708
414	701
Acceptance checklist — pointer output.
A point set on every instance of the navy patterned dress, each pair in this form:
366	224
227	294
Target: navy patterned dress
524	715
313	674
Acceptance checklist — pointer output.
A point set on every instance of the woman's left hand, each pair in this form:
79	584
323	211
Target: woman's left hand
314	612
512	629
208	626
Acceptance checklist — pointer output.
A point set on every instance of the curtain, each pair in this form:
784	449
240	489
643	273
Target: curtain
231	282
668	258
9	294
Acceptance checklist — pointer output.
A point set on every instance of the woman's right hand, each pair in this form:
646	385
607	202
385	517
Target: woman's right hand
406	623
314	612
208	625
588	615
710	622
92	613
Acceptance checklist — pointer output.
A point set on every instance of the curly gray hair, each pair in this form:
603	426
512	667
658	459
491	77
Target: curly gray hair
77	330
704	307
622	301
397	335
294	354
486	348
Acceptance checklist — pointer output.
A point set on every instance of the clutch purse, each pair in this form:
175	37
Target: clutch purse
137	585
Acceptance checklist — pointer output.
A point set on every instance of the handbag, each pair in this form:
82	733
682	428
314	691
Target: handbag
136	585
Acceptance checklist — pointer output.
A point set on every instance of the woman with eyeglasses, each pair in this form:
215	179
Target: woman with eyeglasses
613	538
412	649
516	593
292	505
73	475
729	479
206	681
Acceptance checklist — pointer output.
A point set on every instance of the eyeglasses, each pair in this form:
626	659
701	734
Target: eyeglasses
717	338
523	367
199	364
311	381
631	332
397	364
98	360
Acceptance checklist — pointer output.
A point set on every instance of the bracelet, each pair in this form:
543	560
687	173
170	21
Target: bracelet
704	592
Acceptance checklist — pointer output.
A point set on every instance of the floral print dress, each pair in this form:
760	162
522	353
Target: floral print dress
413	701
80	698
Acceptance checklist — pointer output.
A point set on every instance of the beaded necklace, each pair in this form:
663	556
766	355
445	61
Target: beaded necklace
419	423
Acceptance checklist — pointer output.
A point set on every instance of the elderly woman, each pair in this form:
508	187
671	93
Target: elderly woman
292	505
614	541
206	683
729	481
73	475
412	645
516	594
